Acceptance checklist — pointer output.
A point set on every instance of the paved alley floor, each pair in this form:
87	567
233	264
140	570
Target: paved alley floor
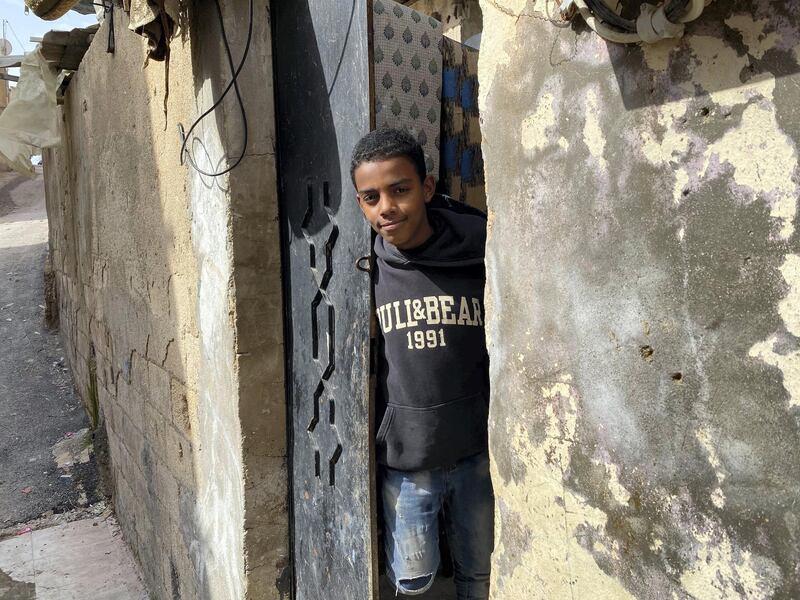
57	537
74	561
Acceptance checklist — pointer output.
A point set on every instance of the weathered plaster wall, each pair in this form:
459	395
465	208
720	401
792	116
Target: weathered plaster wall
4	95
643	301
168	286
461	19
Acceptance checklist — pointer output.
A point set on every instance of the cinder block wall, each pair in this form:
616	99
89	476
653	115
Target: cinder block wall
169	297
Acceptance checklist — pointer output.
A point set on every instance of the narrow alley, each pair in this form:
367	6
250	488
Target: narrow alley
58	536
325	300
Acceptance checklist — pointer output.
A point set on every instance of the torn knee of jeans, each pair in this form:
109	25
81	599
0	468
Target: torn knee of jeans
415	556
415	585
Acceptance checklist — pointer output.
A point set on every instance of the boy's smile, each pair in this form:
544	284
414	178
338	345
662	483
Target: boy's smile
393	198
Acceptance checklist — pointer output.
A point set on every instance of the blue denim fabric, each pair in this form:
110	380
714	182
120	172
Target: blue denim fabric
411	504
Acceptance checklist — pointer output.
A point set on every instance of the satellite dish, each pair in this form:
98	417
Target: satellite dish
5	47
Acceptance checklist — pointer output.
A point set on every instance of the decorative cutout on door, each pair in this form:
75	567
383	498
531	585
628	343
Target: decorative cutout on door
325	440
323	92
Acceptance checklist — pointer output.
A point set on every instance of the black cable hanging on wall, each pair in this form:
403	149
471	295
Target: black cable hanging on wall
234	84
673	10
654	22
108	11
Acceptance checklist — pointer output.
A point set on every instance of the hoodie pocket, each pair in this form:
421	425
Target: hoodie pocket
385	424
412	438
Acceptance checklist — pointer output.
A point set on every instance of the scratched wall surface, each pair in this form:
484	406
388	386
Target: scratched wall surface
644	305
169	295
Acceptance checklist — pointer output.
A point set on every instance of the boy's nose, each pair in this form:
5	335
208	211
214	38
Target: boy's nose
386	204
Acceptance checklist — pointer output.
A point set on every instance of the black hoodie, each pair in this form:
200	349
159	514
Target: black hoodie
433	386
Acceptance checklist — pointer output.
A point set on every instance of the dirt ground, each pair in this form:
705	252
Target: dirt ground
42	421
59	539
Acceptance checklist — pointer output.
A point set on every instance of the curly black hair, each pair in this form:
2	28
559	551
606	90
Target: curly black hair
386	143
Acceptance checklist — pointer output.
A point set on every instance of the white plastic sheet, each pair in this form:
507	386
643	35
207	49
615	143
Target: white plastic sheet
30	120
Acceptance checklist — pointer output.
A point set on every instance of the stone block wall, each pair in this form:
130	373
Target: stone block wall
169	300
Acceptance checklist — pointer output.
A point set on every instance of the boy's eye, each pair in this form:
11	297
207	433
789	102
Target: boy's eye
369	198
400	190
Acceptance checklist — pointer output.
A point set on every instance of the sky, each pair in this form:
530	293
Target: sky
23	26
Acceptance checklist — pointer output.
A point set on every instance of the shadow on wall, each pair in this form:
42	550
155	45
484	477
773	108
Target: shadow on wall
314	119
239	209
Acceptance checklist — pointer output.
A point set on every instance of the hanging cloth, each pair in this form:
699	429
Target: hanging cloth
155	20
30	120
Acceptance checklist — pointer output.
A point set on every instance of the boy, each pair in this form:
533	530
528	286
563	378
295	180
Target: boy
433	389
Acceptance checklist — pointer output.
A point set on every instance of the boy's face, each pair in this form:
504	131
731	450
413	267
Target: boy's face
393	200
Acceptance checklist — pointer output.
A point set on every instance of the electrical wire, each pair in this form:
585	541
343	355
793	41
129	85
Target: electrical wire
674	10
111	45
344	49
233	83
108	9
602	11
16	37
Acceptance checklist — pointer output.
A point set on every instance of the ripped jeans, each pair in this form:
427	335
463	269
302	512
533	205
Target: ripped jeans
411	504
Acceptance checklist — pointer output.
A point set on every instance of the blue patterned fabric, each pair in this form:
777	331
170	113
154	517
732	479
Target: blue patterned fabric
461	172
427	84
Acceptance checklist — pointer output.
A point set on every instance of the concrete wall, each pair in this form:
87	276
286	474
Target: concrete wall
4	95
4	87
169	297
643	301
461	19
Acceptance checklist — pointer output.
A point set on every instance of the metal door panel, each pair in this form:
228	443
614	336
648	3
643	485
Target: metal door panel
322	75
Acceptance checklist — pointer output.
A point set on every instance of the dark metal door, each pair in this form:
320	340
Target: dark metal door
322	76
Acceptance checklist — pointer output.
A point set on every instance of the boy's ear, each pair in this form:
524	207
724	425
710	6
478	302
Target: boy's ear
428	187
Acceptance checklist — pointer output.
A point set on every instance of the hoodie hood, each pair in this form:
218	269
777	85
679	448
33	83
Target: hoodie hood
459	238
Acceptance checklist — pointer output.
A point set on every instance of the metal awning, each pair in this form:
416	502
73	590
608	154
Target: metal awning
11	61
62	49
84	7
65	49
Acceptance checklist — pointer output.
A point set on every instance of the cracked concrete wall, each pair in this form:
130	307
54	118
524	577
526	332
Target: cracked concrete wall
169	294
643	299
